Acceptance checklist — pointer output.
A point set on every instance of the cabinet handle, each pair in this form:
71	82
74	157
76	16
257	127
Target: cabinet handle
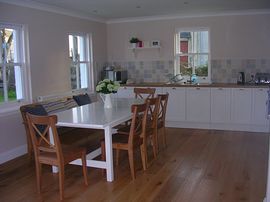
220	88
241	89
198	88
174	88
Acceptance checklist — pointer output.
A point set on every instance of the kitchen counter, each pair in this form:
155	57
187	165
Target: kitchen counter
214	85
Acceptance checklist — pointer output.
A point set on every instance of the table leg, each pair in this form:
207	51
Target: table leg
109	153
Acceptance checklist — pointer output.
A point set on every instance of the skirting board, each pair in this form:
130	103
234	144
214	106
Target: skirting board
216	126
13	153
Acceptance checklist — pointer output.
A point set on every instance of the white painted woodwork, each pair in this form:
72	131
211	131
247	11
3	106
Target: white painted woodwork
241	109
176	109
125	92
220	105
198	105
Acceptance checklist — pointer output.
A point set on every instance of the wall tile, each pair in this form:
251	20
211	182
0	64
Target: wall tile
222	70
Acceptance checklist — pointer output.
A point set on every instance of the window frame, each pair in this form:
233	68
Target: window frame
177	54
88	60
24	64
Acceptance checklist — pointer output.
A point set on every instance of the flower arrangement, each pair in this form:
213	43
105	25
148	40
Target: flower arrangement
107	86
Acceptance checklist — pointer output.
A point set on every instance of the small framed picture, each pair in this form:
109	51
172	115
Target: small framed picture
155	43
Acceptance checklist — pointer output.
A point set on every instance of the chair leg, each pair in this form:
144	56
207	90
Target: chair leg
29	148
117	156
154	145
164	137
38	175
61	181
145	152
131	163
84	168
103	156
143	156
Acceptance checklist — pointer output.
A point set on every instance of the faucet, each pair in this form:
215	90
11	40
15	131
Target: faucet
176	78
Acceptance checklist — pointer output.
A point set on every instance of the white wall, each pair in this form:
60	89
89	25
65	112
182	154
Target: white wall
49	62
239	36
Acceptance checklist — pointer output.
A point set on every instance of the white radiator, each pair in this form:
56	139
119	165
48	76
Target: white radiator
61	95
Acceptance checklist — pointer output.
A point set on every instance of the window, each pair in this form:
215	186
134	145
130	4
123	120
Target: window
192	54
13	81
80	61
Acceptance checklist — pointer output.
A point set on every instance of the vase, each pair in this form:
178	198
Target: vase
107	101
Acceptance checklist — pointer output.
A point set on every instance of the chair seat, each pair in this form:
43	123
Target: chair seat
70	153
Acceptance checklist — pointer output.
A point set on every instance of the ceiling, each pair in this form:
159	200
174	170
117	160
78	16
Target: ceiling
106	10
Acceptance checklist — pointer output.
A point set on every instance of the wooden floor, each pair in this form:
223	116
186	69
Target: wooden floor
197	166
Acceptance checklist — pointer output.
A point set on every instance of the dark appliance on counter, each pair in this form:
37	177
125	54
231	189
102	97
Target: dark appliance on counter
262	78
241	78
115	75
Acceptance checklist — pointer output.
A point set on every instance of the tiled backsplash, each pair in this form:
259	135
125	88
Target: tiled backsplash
222	70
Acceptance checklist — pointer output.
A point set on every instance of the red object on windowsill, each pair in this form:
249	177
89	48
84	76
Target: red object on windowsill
140	44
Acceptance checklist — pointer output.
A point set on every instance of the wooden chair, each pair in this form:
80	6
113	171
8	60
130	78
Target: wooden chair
133	140
162	115
49	153
144	92
151	126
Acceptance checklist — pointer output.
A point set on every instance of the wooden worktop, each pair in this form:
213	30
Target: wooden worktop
214	85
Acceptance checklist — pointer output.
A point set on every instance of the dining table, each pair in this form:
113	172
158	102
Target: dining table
95	116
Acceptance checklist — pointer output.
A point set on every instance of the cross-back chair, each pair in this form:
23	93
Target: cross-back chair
36	109
162	115
144	93
48	150
151	125
133	140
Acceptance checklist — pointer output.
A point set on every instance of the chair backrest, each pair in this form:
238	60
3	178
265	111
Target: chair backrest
36	109
144	92
153	112
138	122
163	108
39	128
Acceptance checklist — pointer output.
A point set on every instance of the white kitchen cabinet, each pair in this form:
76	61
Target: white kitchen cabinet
220	105
176	108
198	104
125	92
241	109
259	116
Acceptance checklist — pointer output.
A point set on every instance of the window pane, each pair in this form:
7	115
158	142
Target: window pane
83	75
200	63
73	76
194	42
81	48
79	65
185	65
1	86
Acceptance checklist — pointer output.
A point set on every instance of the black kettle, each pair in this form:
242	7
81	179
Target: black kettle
241	78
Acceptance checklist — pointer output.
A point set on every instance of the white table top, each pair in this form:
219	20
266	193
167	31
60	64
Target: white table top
95	116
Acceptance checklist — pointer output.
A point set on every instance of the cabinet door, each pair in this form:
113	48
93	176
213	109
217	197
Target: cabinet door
125	92
220	105
176	108
241	105
259	116
198	105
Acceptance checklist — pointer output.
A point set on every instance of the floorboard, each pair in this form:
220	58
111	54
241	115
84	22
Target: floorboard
196	166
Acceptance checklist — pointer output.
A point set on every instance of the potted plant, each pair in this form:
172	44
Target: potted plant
134	42
106	87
